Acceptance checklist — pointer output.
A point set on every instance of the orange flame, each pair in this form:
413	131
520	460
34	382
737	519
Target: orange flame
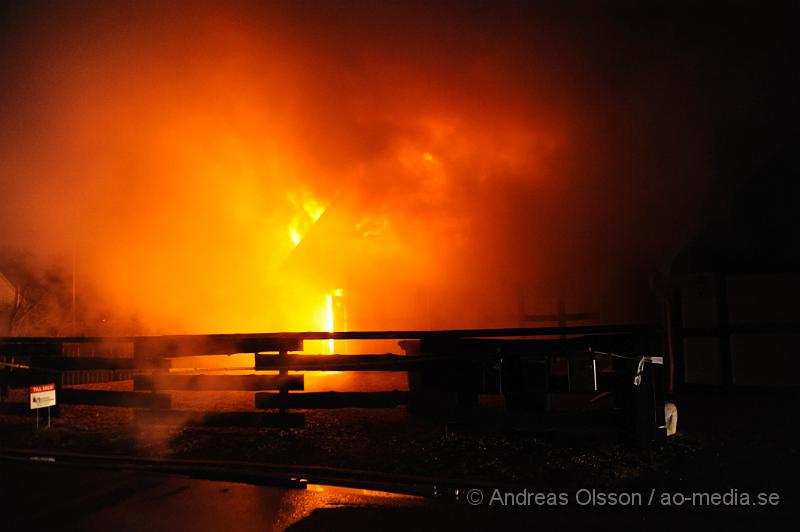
200	183
308	211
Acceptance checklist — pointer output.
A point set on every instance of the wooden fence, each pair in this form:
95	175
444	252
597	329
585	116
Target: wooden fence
536	369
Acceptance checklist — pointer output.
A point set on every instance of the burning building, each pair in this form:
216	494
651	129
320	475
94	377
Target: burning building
229	168
185	183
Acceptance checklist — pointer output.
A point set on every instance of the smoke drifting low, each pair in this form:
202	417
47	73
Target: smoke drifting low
223	169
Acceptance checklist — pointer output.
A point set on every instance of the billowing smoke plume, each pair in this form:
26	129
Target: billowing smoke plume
214	168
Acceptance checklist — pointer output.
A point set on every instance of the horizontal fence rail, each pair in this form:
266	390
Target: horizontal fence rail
114	398
346	335
391	399
445	368
201	383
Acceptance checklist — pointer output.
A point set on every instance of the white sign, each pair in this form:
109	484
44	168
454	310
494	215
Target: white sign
43	395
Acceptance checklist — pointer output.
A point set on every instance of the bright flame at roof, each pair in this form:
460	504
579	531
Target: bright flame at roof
308	210
294	235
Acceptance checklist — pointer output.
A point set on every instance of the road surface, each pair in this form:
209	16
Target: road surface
43	496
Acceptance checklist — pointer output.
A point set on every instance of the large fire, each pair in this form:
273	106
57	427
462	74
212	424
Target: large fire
211	173
234	187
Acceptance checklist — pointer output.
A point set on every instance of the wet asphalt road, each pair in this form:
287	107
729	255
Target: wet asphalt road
44	497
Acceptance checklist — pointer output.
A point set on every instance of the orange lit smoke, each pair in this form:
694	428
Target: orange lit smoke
215	173
233	181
